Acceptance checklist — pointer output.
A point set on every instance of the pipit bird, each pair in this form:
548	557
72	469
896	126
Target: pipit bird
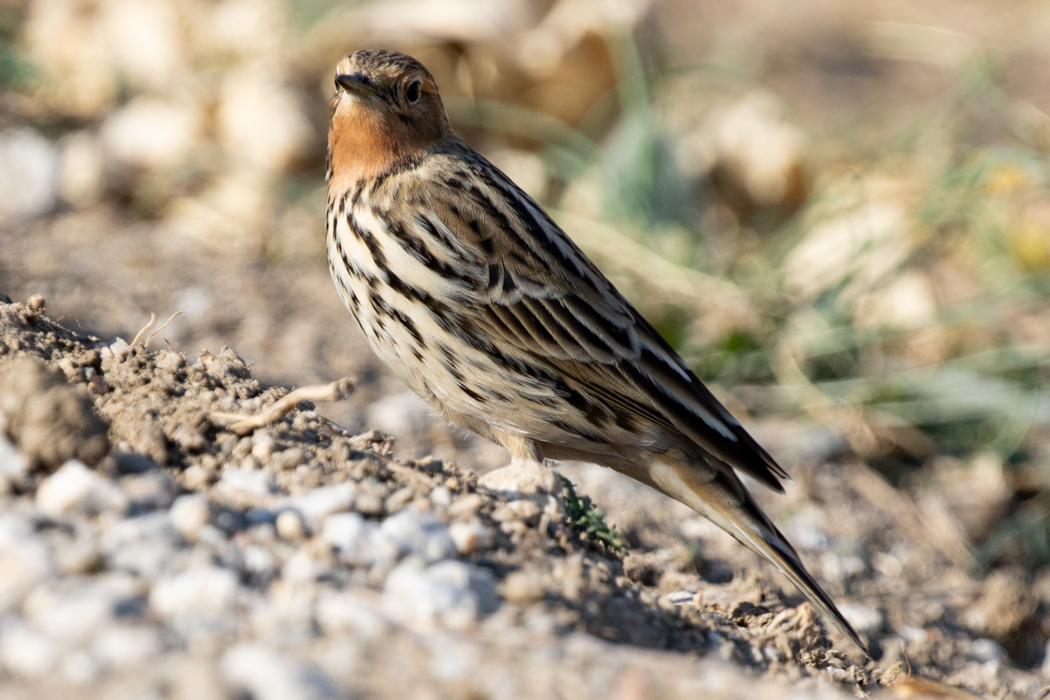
484	307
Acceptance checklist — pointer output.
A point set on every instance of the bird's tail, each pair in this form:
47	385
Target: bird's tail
719	496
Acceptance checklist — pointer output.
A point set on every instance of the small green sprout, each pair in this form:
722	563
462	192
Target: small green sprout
585	517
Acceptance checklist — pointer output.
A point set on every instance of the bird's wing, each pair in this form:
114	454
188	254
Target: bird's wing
538	292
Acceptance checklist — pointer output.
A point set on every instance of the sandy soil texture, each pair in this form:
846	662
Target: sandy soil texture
145	548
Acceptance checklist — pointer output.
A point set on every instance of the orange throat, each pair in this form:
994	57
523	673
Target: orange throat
360	146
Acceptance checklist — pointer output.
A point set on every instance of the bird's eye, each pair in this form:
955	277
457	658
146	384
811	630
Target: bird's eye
413	91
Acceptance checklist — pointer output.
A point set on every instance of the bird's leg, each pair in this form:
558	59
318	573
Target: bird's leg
523	451
526	474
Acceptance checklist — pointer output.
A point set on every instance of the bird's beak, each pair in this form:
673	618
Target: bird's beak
356	84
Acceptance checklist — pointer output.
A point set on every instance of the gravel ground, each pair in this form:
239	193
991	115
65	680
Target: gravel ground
147	551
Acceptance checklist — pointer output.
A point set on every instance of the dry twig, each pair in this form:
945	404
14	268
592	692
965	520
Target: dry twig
245	425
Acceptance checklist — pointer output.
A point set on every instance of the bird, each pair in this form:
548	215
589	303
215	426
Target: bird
475	298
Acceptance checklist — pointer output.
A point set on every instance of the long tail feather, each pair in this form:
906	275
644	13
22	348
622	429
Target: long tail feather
719	496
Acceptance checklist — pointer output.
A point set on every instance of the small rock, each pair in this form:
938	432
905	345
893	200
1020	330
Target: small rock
201	589
466	506
307	564
249	101
441	496
81	175
127	462
290	526
150	133
27	653
29	167
189	514
450	593
258	561
369	501
342	613
71	610
79	667
197	477
125	646
79	556
74	487
679	598
151	491
524	511
24	560
522	587
470	537
986	650
521	478
262	445
265	674
50	421
253	483
422	534
358	541
322	502
403	414
865	620
289	459
397	501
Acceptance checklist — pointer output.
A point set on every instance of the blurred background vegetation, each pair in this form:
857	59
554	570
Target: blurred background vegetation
838	212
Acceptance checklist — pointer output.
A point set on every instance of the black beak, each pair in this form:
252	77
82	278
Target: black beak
356	84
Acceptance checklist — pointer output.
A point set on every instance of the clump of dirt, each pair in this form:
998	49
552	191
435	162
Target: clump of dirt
49	420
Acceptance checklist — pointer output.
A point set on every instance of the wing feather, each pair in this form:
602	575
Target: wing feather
544	297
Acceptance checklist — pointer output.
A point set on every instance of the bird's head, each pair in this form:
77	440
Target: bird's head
386	107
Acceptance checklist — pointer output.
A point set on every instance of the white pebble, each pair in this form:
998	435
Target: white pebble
118	346
124	646
441	496
422	534
322	502
150	133
290	525
189	514
450	593
865	620
268	675
359	541
75	487
470	537
305	565
29	168
986	650
28	653
341	613
262	445
521	478
202	589
68	611
258	560
255	483
79	667
152	490
403	414
144	545
24	560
